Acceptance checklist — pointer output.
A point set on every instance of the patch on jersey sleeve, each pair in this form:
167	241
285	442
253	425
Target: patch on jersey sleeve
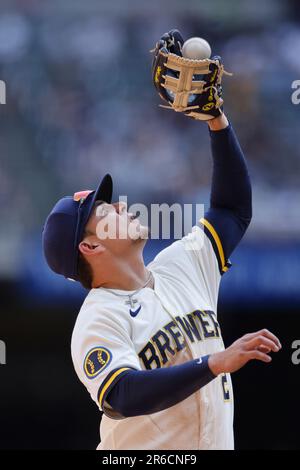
96	360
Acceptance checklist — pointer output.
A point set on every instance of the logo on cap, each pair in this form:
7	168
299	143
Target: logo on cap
81	195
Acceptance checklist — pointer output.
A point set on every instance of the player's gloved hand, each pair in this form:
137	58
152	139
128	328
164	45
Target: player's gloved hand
251	346
189	86
172	41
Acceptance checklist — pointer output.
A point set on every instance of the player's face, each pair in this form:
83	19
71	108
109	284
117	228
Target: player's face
116	228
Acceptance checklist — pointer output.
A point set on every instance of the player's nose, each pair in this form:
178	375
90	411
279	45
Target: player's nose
120	207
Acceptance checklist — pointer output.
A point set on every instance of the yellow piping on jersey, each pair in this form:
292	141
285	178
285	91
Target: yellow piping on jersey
217	241
109	382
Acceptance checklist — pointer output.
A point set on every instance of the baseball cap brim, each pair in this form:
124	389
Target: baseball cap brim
102	193
104	190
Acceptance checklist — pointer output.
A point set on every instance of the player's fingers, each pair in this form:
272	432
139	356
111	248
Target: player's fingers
263	332
258	355
263	349
271	336
249	336
259	341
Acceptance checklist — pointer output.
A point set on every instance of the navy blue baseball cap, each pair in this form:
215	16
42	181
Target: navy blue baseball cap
64	228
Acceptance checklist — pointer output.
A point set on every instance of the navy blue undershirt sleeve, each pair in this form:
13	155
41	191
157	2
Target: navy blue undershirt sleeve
146	392
230	209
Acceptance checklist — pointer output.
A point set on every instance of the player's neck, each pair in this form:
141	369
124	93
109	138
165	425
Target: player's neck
124	275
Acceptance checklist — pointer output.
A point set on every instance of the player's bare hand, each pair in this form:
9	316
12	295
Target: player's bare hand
256	345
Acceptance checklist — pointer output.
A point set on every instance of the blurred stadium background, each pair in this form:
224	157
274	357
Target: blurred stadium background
80	103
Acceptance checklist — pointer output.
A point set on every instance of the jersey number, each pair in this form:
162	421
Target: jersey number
225	387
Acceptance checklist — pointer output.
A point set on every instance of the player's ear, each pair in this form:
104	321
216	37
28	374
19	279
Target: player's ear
89	248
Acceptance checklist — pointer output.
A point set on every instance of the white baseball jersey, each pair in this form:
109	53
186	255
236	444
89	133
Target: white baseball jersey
169	325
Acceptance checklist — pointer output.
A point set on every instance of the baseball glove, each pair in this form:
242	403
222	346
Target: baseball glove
189	86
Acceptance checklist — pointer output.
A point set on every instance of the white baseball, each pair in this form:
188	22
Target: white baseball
196	48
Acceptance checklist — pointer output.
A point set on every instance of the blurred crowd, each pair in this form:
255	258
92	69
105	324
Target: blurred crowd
80	103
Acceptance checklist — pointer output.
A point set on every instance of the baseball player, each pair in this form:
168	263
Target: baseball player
147	344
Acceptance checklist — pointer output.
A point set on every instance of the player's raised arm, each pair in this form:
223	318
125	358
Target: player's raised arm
191	82
230	209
